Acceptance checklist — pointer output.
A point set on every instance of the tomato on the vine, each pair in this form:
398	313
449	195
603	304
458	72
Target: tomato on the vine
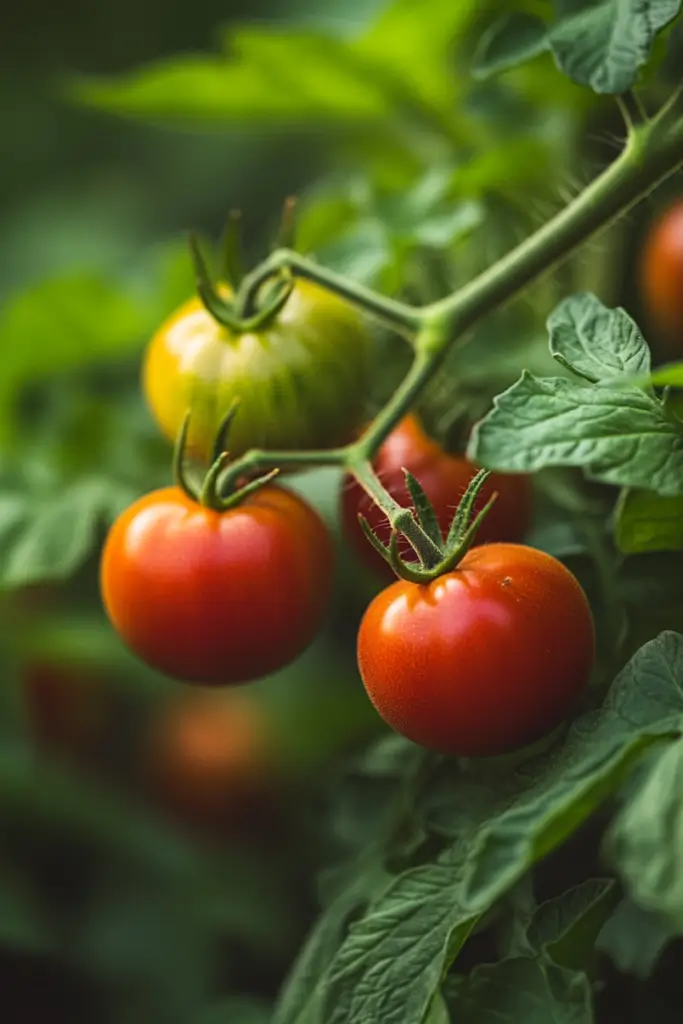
301	380
484	659
217	597
661	274
444	478
209	758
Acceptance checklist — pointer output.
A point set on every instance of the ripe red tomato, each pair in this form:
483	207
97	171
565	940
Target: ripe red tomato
209	757
302	380
661	275
483	660
66	707
444	478
217	597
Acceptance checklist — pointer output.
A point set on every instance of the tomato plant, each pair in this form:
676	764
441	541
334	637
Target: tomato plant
444	478
301	379
661	273
472	185
484	659
217	597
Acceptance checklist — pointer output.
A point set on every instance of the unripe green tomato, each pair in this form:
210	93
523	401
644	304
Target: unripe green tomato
301	380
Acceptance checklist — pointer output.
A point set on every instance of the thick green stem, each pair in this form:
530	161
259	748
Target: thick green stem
399	316
653	151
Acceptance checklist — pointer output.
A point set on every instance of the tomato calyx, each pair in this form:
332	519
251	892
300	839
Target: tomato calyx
207	489
226	312
436	556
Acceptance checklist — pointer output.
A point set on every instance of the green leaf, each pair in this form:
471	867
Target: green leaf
566	927
512	39
634	938
47	536
646	840
595	342
521	989
301	998
670	375
603	43
618	436
391	962
648	522
438	1011
63	324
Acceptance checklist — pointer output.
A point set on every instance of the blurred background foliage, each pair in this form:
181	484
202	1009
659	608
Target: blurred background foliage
125	127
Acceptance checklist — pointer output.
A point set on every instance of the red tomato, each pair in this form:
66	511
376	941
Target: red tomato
444	478
661	274
483	660
66	707
217	597
209	757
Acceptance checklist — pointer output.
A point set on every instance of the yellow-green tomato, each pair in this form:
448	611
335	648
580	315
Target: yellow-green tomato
301	380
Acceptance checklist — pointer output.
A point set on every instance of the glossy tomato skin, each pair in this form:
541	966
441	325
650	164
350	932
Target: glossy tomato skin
444	478
661	275
302	381
483	660
209	757
217	598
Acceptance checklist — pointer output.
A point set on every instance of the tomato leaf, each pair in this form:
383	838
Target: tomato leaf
48	536
521	989
648	522
646	839
595	342
634	938
603	43
393	958
513	39
566	927
617	436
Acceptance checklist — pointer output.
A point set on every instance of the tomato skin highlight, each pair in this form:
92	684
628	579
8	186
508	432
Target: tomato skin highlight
661	275
483	660
217	598
302	380
444	478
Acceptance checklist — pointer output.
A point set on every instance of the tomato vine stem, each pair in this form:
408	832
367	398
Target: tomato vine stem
653	151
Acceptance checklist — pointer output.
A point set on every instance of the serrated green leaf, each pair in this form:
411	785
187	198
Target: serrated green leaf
603	43
392	960
47	536
646	839
521	989
595	342
566	927
512	39
634	938
623	437
648	522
